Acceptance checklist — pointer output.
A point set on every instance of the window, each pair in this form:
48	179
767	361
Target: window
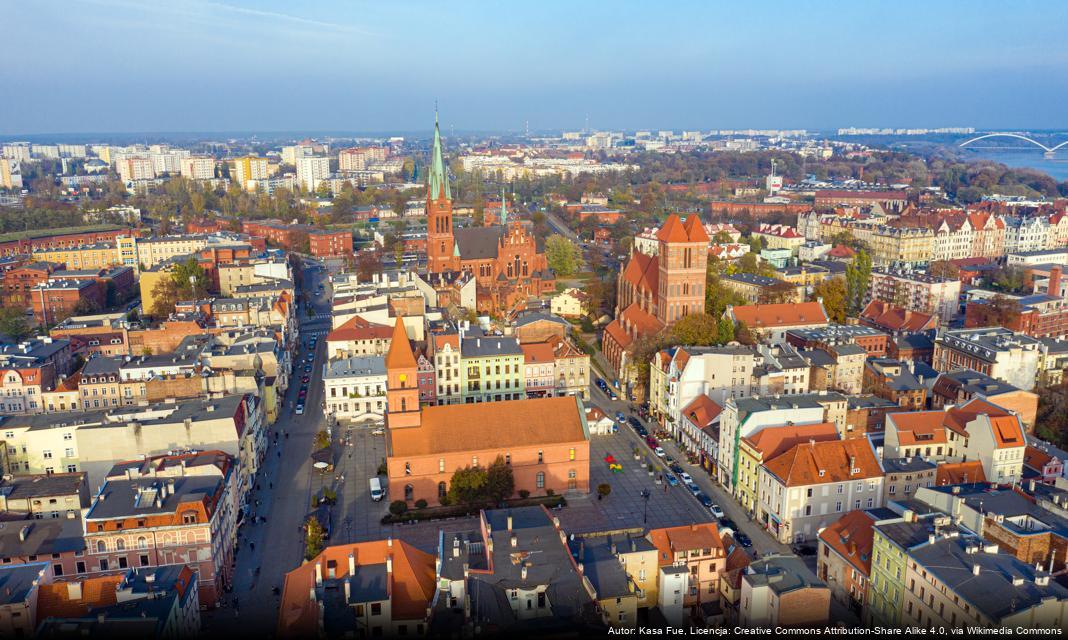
189	517
103	564
120	545
46	454
541	480
541	458
79	567
57	569
101	547
376	608
144	559
122	562
442	490
571	454
441	466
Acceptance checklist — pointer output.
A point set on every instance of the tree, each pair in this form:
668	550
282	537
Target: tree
722	237
699	329
743	335
397	507
563	256
13	324
832	292
468	486
500	482
943	269
368	264
313	538
603	490
164	298
998	311
858	280
724	330
778	292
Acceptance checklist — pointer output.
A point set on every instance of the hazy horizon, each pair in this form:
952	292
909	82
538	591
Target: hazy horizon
121	67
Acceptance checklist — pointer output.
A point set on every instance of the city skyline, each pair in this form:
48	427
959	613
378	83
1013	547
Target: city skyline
267	67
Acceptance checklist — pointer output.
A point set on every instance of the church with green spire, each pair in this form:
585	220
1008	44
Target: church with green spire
506	261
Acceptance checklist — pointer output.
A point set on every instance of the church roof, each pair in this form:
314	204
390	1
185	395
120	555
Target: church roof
672	230
695	231
400	354
478	243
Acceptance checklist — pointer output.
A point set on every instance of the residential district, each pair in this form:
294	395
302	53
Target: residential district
359	388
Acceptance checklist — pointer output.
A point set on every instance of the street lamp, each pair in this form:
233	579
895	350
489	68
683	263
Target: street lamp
645	516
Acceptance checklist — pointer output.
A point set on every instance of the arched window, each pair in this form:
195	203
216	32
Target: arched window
442	490
120	545
541	479
409	491
100	546
142	543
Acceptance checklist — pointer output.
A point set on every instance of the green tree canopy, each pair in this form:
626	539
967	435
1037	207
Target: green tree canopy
858	281
468	485
563	256
833	293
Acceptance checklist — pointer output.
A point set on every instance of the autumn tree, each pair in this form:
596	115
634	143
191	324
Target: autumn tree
943	269
778	292
500	481
999	311
699	329
858	281
832	292
467	486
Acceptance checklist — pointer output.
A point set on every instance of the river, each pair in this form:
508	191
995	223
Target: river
1056	167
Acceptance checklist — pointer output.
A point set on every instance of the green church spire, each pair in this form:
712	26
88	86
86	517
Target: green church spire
438	177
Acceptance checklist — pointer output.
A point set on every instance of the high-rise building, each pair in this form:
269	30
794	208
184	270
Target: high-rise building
247	169
198	167
311	170
10	175
135	168
358	158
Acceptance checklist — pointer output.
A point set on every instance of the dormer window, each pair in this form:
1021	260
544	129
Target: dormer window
822	472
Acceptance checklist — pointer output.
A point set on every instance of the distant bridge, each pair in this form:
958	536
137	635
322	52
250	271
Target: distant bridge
1049	151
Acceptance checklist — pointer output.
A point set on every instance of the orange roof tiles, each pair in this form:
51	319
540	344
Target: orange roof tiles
643	272
920	427
357	328
672	230
670	540
1036	458
695	231
757	316
641	320
537	352
442	339
54	600
702	411
852	537
959	473
400	354
616	332
491	426
774	441
411	589
825	462
895	318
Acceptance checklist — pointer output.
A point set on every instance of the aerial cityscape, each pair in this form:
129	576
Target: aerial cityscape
351	320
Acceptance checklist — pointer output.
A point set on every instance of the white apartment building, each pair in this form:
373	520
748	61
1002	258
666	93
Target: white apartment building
805	489
1028	234
742	417
917	292
953	239
135	168
360	158
355	388
197	167
718	372
311	170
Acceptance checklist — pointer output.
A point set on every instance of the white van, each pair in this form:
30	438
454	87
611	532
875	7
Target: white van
376	489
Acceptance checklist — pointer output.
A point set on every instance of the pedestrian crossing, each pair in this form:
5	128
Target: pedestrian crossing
318	332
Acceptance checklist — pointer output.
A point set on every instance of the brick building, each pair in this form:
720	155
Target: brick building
56	300
330	243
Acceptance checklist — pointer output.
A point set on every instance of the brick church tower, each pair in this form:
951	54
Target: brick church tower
402	381
441	254
683	259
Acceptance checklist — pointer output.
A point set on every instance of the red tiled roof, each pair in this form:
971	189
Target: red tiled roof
895	318
672	230
695	231
617	334
757	316
356	328
643	272
643	322
774	441
54	600
841	251
702	411
670	540
852	537
537	352
400	354
802	465
959	473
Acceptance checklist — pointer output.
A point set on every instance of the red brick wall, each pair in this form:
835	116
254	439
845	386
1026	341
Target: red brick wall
805	608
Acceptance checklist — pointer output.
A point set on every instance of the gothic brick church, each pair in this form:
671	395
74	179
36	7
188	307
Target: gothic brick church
656	291
506	260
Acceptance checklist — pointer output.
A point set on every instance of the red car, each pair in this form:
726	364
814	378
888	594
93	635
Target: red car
651	441
305	379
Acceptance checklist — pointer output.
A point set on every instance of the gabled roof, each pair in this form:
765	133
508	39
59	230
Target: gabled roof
643	272
772	442
673	231
959	473
357	328
702	412
400	354
825	462
756	316
895	318
671	540
851	537
695	231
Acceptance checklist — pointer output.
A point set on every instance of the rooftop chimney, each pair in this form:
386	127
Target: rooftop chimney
523	572
318	574
975	569
509	523
352	564
389	564
515	540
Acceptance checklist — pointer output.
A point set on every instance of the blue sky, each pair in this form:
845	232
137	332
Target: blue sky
173	65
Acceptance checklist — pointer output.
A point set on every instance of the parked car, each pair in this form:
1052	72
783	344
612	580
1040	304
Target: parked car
634	422
716	511
305	379
641	431
727	523
307	368
743	540
300	409
694	489
620	416
659	451
677	469
652	442
376	489
703	499
672	481
378	432
685	477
